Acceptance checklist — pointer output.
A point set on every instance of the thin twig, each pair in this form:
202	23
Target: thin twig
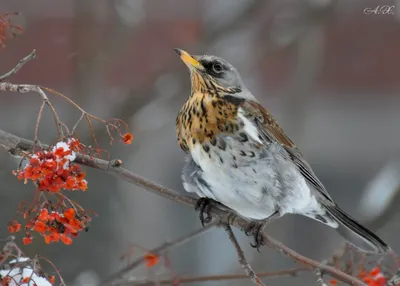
91	130
73	103
77	123
88	116
14	143
242	259
55	268
39	117
9	247
11	250
19	65
24	88
158	251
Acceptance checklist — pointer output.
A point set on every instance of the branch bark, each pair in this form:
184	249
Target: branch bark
19	65
242	259
187	280
15	144
24	88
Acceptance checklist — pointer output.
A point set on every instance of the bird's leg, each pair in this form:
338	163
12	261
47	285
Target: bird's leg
256	229
203	205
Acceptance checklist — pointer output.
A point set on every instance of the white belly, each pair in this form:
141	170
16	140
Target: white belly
257	189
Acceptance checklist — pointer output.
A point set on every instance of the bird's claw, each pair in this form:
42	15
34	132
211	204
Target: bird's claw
203	205
256	230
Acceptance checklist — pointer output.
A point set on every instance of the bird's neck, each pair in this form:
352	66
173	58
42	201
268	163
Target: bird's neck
208	85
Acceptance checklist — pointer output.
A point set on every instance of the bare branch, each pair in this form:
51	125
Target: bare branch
9	248
187	280
70	101
13	262
77	123
242	259
62	283
158	251
14	144
39	117
24	88
280	247
19	65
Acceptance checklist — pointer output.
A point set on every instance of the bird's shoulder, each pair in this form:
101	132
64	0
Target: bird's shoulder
263	119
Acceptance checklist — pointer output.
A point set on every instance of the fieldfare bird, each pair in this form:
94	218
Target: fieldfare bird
240	157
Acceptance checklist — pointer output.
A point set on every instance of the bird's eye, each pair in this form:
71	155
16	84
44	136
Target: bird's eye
217	67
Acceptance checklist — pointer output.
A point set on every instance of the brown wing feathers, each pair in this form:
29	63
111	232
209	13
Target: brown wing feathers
270	129
269	123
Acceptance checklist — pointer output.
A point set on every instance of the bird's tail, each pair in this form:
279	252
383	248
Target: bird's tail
356	234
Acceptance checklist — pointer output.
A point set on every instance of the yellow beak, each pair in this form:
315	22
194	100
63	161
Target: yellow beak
189	60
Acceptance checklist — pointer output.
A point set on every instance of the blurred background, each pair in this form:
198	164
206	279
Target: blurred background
329	72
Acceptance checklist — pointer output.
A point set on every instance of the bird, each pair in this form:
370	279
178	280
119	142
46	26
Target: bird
239	157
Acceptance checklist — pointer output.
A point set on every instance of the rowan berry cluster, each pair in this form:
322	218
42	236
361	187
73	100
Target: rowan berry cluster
53	171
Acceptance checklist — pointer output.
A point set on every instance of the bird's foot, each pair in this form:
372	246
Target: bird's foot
256	230
203	205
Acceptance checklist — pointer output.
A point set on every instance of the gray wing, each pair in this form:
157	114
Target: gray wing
306	171
270	132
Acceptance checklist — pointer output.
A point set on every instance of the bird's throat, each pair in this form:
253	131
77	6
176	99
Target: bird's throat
203	117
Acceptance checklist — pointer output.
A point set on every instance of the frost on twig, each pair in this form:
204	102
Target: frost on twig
18	270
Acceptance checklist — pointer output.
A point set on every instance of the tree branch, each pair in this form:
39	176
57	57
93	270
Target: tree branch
19	65
24	88
242	259
186	280
15	144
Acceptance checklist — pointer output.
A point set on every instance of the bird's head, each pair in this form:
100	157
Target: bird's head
211	72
